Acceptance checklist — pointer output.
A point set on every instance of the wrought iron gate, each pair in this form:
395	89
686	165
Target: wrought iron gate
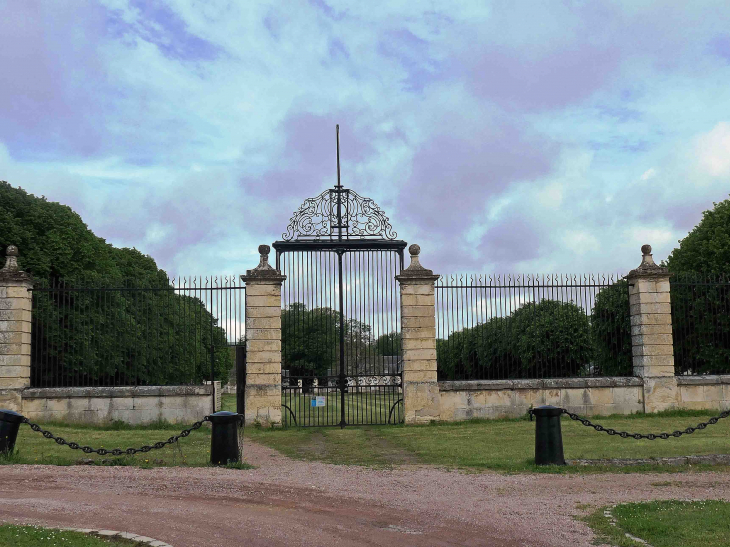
341	344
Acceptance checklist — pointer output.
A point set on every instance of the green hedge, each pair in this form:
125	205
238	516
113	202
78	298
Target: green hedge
547	339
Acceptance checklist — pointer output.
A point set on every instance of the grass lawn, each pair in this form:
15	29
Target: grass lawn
35	536
501	445
669	523
367	407
32	447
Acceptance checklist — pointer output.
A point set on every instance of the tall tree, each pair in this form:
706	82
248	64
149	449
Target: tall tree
120	337
706	248
700	293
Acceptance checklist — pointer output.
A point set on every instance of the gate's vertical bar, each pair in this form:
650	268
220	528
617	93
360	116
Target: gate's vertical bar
342	335
212	340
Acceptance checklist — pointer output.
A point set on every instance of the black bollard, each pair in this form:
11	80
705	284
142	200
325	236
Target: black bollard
224	438
548	437
9	424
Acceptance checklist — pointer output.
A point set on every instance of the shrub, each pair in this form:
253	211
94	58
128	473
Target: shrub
611	329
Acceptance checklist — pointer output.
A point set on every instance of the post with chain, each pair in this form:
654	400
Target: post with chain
9	424
224	438
548	436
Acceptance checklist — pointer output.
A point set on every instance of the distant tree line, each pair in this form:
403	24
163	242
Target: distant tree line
311	343
547	339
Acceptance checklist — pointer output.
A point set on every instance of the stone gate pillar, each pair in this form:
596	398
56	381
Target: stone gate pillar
263	342
421	397
15	328
651	333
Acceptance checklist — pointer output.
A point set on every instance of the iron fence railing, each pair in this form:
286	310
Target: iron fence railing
531	326
112	333
700	323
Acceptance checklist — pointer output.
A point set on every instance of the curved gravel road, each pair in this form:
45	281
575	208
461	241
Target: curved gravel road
287	502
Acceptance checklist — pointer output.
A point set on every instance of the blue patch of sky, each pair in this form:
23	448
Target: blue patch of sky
720	45
160	26
272	25
411	53
328	10
338	49
619	114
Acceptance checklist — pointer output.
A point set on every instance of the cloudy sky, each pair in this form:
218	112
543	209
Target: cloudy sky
501	136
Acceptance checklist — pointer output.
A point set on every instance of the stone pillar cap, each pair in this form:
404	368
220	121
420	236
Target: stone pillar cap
10	271
415	270
264	271
648	267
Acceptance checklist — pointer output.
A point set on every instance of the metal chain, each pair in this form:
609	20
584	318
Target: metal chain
116	451
650	436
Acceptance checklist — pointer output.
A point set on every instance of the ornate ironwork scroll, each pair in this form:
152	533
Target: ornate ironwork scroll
360	218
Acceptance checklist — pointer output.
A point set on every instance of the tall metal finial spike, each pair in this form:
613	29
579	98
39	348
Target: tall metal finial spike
337	130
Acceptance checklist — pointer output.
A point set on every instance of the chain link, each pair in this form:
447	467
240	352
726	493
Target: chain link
650	436
116	451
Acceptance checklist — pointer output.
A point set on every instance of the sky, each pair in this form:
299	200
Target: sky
502	137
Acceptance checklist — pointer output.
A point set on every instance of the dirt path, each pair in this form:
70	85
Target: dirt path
287	502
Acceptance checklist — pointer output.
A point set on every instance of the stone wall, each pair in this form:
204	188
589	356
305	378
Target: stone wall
134	405
586	396
704	392
512	398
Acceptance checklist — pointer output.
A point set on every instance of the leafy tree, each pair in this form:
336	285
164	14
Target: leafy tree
700	293
706	248
311	341
611	326
122	337
540	340
388	344
551	338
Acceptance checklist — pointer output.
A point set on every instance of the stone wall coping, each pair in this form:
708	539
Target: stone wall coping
113	392
552	383
706	380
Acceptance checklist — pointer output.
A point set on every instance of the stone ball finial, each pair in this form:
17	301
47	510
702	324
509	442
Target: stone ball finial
11	261
648	267
414	249
264	250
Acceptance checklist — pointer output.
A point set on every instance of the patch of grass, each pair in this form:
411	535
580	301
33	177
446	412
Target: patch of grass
606	533
505	445
239	465
37	536
33	448
667	523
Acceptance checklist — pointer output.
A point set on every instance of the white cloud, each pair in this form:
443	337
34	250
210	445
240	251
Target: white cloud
551	196
186	143
649	174
713	151
156	233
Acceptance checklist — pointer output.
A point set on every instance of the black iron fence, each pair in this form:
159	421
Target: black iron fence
179	331
530	326
701	323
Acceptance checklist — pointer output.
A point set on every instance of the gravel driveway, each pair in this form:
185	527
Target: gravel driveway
288	502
